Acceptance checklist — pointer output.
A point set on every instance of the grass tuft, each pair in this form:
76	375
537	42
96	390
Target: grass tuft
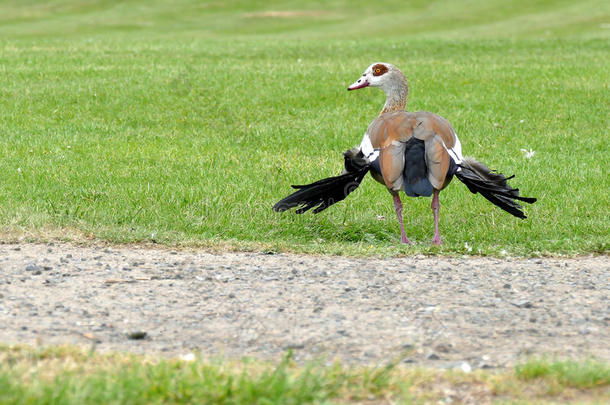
585	374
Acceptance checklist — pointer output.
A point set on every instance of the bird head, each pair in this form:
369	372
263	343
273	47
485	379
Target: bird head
377	75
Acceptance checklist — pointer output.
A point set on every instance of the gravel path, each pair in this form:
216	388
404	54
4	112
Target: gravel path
439	312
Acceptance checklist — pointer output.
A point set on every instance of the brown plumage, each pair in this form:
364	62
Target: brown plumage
416	152
390	133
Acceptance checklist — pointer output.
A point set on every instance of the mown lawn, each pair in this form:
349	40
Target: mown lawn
67	375
182	123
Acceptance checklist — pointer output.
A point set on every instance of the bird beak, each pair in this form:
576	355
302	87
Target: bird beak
360	83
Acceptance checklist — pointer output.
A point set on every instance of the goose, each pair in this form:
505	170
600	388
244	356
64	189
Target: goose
417	153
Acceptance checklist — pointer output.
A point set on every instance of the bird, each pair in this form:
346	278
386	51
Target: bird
417	153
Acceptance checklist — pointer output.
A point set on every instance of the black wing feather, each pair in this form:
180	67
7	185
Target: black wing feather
493	186
326	192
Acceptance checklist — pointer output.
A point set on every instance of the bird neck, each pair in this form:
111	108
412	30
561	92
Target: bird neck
396	93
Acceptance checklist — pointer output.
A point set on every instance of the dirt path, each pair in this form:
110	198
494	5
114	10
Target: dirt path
439	312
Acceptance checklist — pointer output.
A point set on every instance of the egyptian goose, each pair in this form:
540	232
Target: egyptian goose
415	152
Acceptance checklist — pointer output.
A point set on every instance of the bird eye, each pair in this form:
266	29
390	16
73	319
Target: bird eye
379	69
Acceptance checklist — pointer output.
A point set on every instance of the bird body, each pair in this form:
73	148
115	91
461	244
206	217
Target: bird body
415	152
412	143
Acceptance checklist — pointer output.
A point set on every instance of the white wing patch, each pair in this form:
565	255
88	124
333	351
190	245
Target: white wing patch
456	151
367	148
372	154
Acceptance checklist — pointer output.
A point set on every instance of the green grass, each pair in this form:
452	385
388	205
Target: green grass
68	375
582	375
183	122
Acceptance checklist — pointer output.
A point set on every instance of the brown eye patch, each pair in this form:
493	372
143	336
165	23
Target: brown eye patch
379	69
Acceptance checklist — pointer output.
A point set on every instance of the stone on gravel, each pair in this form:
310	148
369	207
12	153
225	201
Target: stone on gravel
32	267
137	335
523	304
294	346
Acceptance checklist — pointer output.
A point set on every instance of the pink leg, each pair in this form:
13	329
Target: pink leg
398	208
435	206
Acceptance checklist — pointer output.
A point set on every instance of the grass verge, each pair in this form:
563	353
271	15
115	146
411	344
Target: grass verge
68	375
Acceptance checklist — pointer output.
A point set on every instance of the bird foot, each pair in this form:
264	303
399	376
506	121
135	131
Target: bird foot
405	240
437	240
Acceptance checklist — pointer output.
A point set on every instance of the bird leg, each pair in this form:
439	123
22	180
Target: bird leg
435	206
398	208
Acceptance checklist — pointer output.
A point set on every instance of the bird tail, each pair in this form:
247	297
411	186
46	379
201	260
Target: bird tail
492	185
326	192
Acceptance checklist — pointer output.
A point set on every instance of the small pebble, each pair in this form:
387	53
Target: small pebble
137	335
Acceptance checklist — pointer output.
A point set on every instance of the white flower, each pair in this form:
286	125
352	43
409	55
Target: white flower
528	154
467	247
